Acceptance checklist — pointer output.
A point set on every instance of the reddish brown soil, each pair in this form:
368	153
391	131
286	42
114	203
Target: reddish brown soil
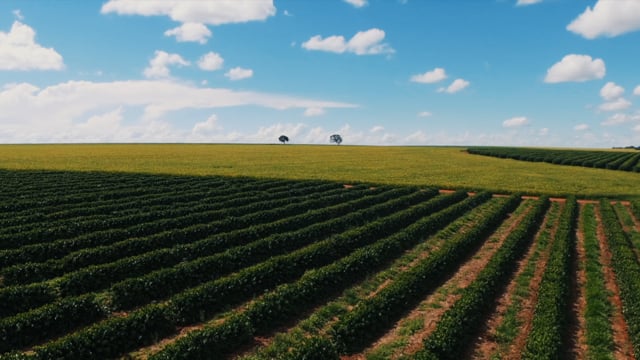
436	304
486	344
578	335
621	339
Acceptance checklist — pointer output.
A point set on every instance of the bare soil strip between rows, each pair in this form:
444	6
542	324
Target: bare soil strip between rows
578	335
621	338
486	344
435	305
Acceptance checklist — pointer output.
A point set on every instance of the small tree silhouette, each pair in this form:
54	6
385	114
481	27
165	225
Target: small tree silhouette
335	138
283	139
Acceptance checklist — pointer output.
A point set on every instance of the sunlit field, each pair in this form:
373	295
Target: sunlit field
444	167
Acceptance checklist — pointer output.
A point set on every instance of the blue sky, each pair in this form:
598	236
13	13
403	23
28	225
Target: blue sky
378	72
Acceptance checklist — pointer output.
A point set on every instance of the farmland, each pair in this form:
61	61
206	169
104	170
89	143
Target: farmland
442	167
117	264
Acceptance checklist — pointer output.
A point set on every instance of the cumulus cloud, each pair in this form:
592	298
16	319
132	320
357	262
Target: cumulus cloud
19	50
190	32
159	65
377	129
620	118
636	91
238	73
581	127
455	86
527	2
210	61
314	111
357	3
207	127
576	68
203	12
611	91
367	42
429	77
424	114
33	114
518	121
615	105
608	18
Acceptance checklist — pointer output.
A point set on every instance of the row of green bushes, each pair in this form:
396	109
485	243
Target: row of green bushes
625	161
627	270
373	316
207	299
290	300
93	278
171	280
462	321
166	219
199	201
550	323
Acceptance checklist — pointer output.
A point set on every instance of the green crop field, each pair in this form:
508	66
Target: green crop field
444	167
256	252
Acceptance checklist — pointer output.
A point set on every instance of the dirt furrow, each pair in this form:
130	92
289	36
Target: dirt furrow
621	339
578	334
487	344
436	304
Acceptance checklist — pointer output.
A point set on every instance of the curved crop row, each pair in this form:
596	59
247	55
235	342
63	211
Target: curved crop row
290	300
627	270
458	325
374	315
551	316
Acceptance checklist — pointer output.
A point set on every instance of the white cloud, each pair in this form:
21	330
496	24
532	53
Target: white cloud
576	68
581	127
615	105
287	13
18	14
377	129
210	61
54	113
357	3
190	32
607	18
207	127
455	86
238	73
204	12
543	132
433	76
367	42
424	114
314	111
636	91
611	91
159	65
620	118
527	2
19	51
518	121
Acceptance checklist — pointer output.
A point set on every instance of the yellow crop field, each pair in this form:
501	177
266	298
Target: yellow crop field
444	167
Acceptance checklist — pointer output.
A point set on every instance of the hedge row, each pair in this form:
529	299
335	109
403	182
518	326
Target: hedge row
627	271
373	316
461	322
550	323
47	322
167	281
290	300
207	299
90	279
112	244
167	219
625	161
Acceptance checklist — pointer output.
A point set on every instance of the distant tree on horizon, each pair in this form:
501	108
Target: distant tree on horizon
335	138
283	139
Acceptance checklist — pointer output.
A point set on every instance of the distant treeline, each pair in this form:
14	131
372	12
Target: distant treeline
613	160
